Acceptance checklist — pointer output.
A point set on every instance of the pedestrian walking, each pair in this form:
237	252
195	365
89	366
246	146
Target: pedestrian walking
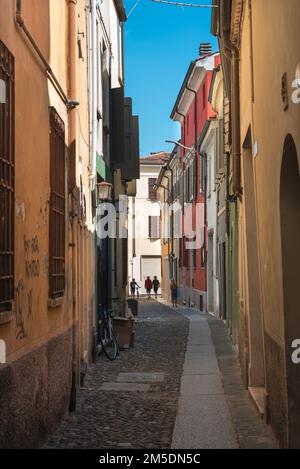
156	285
174	290
133	287
148	286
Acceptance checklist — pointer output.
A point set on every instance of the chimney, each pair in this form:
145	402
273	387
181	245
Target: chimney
205	49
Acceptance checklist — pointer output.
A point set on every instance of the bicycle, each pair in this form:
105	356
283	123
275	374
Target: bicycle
108	341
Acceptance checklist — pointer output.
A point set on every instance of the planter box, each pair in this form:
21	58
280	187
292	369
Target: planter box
123	328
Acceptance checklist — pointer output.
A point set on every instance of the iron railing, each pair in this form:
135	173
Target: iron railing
57	223
7	177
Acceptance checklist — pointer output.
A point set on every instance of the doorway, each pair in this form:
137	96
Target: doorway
222	280
210	272
290	239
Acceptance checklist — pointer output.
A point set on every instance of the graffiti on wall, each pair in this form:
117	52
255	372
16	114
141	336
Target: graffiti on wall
32	263
23	295
24	301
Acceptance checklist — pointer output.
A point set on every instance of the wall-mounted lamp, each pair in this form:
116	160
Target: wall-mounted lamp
104	191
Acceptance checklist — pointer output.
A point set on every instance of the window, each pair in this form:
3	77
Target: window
204	95
209	176
187	185
221	160
194	257
202	172
191	180
7	177
153	228
185	253
57	206
151	192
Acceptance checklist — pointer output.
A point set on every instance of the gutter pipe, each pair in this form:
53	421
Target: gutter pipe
93	161
21	23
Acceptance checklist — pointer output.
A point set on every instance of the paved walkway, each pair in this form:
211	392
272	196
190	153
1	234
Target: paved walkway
215	410
179	387
203	419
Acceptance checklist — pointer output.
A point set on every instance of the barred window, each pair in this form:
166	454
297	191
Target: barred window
57	206
7	177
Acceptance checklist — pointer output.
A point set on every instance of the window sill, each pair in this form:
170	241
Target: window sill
55	302
6	317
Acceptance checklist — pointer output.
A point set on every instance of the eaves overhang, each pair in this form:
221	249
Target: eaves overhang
119	5
236	19
193	79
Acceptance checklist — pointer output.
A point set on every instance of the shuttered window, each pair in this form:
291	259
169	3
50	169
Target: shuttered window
151	192
7	177
57	206
154	224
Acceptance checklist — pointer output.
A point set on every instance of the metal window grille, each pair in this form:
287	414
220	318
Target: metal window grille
57	206
7	177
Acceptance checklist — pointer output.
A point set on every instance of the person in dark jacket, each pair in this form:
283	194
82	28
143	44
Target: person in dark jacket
148	286
156	285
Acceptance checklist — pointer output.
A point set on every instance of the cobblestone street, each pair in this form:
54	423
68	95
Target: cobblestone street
168	397
124	418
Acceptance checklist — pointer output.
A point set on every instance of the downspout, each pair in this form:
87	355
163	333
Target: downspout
74	214
21	23
233	54
94	96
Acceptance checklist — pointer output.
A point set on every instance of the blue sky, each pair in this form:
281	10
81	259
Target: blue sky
160	43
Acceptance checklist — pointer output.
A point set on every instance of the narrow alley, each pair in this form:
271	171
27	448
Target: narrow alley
179	386
150	227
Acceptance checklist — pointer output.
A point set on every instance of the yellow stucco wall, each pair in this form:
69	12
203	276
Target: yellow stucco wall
276	45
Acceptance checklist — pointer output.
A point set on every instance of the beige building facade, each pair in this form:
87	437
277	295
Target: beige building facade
260	52
47	240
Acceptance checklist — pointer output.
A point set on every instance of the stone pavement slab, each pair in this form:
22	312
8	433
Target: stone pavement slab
137	387
141	377
195	385
204	423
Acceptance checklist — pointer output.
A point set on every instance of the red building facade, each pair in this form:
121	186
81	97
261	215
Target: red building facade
193	111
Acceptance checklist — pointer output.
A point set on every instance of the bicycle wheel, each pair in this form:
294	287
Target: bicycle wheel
108	341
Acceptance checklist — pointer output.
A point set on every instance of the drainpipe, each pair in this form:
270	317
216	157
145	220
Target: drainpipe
233	54
21	23
74	214
94	64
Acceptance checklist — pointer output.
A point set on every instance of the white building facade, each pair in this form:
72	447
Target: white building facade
144	237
